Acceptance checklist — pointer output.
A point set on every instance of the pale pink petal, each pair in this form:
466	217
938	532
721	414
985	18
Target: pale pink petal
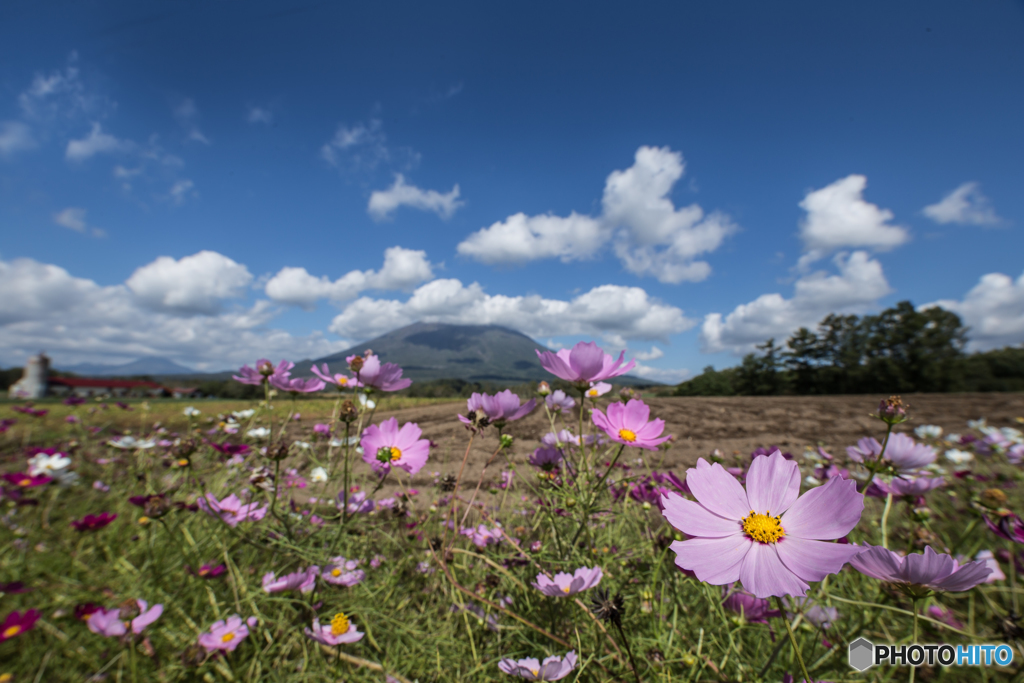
763	573
814	560
773	483
964	578
826	512
586	360
717	490
926	568
635	413
714	560
878	563
694	519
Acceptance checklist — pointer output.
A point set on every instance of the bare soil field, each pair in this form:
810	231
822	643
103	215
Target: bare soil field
735	425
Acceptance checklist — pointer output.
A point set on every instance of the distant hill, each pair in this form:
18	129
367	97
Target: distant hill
149	365
430	351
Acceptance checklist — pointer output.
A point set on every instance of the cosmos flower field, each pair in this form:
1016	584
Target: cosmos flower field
234	551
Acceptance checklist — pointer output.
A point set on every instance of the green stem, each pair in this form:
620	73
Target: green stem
593	497
913	669
629	651
792	639
885	520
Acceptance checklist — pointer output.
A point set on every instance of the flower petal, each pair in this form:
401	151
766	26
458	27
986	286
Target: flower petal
965	578
878	563
929	567
773	483
717	490
714	560
763	573
826	512
814	560
696	520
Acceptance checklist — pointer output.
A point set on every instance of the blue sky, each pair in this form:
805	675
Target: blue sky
212	182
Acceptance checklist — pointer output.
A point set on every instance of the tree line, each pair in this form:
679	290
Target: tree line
900	350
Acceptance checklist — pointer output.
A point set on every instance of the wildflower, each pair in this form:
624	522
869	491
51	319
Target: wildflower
551	669
992	563
342	572
243	414
945	615
190	411
131	443
27	480
737	536
135	614
1008	525
919	574
506	479
568	584
583	364
72	419
339	380
546	459
387	446
258	433
14	587
155	505
559	402
83	612
482	536
627	424
100	486
16	623
318	475
892	410
371	373
424	568
902	453
302	581
544	389
264	370
817	615
608	607
73	400
928	432
903	487
296	385
958	457
230	509
358	502
207	571
340	631
366	403
501	408
753	610
225	635
94	522
599	389
47	463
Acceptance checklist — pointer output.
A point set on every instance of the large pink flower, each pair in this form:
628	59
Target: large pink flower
263	370
584	363
902	452
115	622
386	376
628	425
766	537
920	572
297	385
338	379
388	446
231	509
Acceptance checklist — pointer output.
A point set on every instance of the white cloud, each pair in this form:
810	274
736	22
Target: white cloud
613	312
993	309
72	217
97	142
403	269
369	139
187	115
76	320
383	202
260	115
180	190
838	217
965	205
653	354
194	284
651	236
522	238
663	375
858	286
15	136
61	96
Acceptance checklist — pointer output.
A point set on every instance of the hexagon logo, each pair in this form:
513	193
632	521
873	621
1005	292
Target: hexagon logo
862	654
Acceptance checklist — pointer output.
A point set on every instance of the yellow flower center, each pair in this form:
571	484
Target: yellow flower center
763	528
203	571
566	589
335	572
11	631
395	454
627	435
535	672
227	637
6	678
592	392
182	463
339	624
143	521
25	482
341	380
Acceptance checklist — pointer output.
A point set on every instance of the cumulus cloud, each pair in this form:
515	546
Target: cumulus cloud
260	115
663	375
613	312
838	217
653	354
994	311
194	284
858	286
96	142
384	202
403	269
651	236
15	136
965	205
77	320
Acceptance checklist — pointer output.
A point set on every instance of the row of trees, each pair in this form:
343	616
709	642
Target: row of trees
900	350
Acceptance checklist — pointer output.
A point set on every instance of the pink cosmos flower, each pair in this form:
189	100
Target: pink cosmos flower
583	364
207	571
226	634
115	622
818	615
917	574
94	522
568	584
340	631
386	377
388	446
945	615
753	610
559	402
264	369
303	581
768	537
323	429
628	425
546	458
338	379
482	536
1008	525
231	509
16	623
342	572
992	563
598	389
552	668
296	385
902	452
502	407
903	486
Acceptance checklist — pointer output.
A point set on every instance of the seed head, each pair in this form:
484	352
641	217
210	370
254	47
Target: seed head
348	412
992	498
608	607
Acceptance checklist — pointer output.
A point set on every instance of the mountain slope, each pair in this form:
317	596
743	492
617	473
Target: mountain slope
149	365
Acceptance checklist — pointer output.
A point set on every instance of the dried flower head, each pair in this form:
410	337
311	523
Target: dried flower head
608	607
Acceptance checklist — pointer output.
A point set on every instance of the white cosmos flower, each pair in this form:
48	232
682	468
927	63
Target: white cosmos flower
318	475
337	443
47	464
958	457
192	412
130	442
367	403
304	445
243	414
258	433
928	432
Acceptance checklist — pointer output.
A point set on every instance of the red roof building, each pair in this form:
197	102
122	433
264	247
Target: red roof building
89	386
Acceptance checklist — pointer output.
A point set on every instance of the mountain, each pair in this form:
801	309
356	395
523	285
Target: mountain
429	351
148	365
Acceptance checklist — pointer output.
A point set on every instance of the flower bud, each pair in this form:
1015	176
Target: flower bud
348	412
129	610
892	410
992	498
544	389
266	368
626	393
278	451
356	364
506	441
570	503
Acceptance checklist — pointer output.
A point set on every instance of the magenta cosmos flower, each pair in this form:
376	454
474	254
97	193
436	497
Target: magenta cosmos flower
753	610
263	370
342	572
337	379
502	407
902	452
296	385
226	635
1007	525
628	425
27	480
94	522
116	622
387	446
16	623
551	669
768	537
568	584
231	509
584	363
340	631
386	376
918	574
303	581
